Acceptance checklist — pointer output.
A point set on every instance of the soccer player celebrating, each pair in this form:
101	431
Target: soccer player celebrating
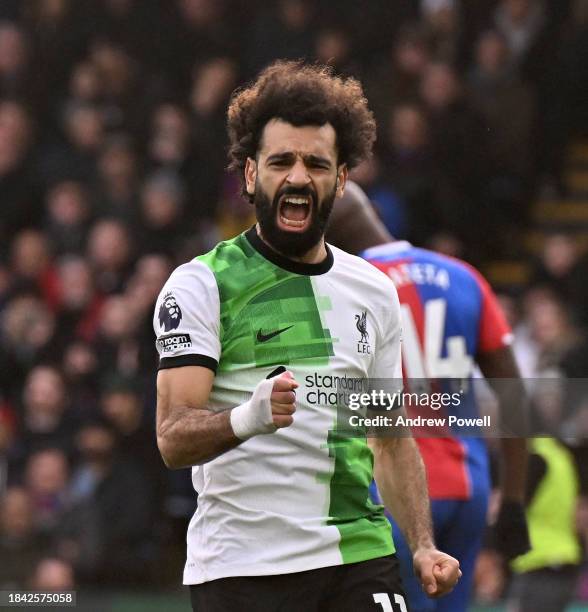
451	320
252	338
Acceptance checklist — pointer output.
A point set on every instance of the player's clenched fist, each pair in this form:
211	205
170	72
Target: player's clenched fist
438	571
283	399
271	406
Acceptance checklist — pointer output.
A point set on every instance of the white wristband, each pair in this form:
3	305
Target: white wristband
255	416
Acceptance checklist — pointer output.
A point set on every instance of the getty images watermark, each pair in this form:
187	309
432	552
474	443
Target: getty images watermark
497	408
433	401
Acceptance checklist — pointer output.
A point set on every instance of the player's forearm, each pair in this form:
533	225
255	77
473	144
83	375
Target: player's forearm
400	476
512	402
500	369
513	468
195	436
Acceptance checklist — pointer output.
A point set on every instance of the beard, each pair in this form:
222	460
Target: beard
292	244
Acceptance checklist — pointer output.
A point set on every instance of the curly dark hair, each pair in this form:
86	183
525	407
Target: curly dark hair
301	94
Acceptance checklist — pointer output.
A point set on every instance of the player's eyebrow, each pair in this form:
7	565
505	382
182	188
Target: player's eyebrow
280	157
311	159
317	160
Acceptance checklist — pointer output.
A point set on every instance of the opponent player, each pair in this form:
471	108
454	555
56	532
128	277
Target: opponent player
450	320
284	518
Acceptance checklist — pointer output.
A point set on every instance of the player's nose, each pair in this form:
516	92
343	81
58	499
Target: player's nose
298	175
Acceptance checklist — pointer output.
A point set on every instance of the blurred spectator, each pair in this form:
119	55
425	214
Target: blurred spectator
19	540
397	80
548	406
558	258
508	108
116	191
333	46
58	33
46	480
27	328
283	31
122	406
200	29
573	70
492	61
108	534
68	216
447	243
192	146
13	61
82	377
5	281
7	438
212	83
374	25
85	83
151	272
114	67
143	288
458	142
80	304
46	421
52	575
547	337
122	103
129	23
16	133
117	346
408	168
169	143
82	128
162	203
19	197
109	253
33	267
442	18
521	22
564	267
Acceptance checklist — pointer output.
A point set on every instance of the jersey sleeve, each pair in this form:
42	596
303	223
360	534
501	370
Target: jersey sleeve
187	318
388	357
494	330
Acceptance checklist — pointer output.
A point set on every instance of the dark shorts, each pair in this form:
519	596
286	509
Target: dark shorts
544	590
373	585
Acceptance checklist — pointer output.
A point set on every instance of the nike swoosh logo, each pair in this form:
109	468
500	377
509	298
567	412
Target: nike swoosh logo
265	337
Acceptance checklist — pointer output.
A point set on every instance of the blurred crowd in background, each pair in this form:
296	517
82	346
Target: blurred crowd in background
112	172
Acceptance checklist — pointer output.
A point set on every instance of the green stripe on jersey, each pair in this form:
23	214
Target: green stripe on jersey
361	523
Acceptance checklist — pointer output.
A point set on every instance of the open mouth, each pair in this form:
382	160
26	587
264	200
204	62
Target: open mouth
294	212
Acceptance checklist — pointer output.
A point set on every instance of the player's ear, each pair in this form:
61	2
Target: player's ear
341	179
250	175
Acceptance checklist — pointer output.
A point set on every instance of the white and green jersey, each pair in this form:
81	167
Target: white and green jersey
296	499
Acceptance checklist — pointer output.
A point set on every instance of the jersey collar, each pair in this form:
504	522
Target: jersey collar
306	269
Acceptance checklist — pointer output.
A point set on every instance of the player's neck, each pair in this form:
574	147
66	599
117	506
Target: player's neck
316	255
